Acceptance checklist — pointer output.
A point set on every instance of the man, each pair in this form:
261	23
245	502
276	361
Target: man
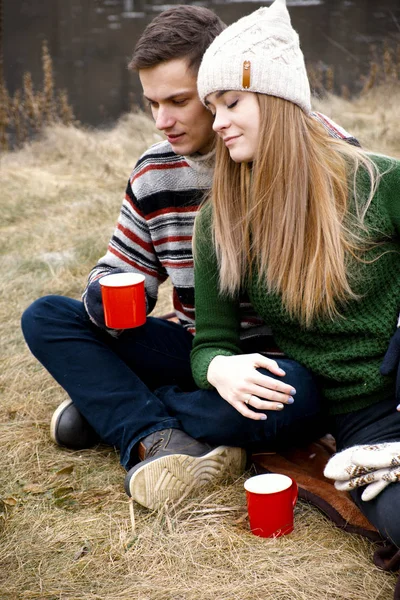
134	389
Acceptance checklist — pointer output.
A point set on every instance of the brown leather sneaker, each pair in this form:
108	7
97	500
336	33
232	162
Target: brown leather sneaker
174	463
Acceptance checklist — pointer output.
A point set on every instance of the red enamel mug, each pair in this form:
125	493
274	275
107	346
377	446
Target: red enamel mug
271	498
124	300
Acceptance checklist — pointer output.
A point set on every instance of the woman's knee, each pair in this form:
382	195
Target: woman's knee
300	378
295	371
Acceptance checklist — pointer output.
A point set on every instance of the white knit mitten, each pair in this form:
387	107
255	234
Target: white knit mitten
342	467
373	465
378	455
359	460
376	481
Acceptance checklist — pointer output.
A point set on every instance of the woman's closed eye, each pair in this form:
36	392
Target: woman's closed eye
228	106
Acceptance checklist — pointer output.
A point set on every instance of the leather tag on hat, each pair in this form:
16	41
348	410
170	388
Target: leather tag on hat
246	74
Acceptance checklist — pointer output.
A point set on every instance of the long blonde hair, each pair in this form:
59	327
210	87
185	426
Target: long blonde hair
286	215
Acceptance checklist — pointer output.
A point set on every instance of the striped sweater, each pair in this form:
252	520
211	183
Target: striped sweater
153	235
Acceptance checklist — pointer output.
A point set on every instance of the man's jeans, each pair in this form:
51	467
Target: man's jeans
140	382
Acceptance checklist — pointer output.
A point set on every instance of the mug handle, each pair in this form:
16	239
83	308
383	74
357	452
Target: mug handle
295	492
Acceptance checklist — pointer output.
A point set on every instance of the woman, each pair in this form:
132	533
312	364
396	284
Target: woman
308	227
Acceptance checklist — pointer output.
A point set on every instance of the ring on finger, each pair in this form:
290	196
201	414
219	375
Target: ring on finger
248	398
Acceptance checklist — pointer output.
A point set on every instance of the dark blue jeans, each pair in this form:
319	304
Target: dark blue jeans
140	382
372	425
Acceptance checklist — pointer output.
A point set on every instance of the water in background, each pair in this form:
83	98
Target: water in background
91	42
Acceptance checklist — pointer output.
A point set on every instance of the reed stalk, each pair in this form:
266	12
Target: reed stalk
24	115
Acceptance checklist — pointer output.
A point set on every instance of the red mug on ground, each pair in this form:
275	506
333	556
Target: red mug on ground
124	300
271	498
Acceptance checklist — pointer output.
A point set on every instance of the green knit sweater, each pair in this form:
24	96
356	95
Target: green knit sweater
344	354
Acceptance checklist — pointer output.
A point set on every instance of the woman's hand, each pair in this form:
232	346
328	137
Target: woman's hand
239	383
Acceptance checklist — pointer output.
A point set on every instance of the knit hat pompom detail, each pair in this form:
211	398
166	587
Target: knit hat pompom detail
258	53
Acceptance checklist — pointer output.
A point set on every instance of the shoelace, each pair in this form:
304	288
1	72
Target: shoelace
154	448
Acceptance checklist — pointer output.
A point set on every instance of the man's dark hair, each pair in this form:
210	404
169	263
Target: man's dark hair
178	32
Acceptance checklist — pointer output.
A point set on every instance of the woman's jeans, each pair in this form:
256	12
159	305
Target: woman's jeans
140	382
372	425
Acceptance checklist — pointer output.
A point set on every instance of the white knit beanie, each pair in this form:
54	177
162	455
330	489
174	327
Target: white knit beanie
258	53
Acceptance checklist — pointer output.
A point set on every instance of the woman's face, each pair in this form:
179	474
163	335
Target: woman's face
237	122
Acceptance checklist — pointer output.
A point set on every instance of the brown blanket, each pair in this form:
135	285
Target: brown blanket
306	466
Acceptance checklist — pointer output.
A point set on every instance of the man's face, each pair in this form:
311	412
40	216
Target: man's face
171	91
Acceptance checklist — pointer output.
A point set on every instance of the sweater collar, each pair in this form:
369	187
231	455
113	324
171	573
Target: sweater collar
201	162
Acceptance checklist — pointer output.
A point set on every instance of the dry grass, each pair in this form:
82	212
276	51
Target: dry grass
67	529
372	117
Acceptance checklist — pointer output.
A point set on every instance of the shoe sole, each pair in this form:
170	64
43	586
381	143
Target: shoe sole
170	477
55	419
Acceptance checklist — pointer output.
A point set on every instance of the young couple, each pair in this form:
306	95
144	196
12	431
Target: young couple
283	227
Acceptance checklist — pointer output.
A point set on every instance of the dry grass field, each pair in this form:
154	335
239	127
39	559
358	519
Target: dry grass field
68	531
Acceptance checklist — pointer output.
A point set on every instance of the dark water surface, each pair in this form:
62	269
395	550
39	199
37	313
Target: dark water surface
91	42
